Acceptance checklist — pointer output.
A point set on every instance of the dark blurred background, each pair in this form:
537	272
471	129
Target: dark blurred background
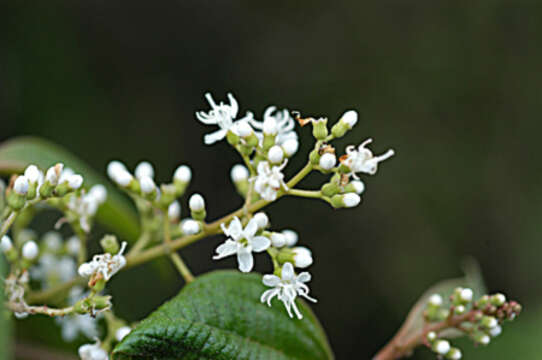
455	87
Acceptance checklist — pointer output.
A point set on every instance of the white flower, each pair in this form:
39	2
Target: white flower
122	332
144	168
174	210
5	243
281	124
21	185
190	227
287	288
291	237
52	269
196	203
86	205
106	264
261	219
92	352
269	180
239	173
328	161
222	115
30	250
363	160
182	174
302	257
242	242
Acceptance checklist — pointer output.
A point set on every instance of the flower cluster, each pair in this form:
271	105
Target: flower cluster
481	320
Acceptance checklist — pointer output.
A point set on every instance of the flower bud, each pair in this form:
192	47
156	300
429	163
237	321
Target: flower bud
290	147
190	227
123	178
174	211
261	219
495	331
52	241
435	300
328	161
291	237
482	338
441	347
144	169
181	178
92	352
73	245
345	123
278	240
270	126
33	174
99	193
460	309
30	250
147	185
466	295
243	129
454	354
356	186
431	336
239	173
122	332
20	186
53	174
75	181
196	203
497	299
275	154
319	129
302	257
330	189
6	244
347	200
110	244
489	322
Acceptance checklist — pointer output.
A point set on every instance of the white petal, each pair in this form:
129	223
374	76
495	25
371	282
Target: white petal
211	138
288	271
245	259
268	295
251	228
260	243
271	280
304	277
226	249
235	229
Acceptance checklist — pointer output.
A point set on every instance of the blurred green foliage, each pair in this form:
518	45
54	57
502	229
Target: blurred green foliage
454	86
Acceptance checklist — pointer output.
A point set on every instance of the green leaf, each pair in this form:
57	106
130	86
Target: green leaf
116	214
219	316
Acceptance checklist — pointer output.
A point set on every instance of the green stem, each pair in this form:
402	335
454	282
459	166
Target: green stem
7	223
182	267
314	194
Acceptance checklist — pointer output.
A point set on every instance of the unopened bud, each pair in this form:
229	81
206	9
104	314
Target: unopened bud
291	237
441	347
174	211
239	173
20	186
319	129
190	227
290	147
110	244
302	257
328	161
278	240
345	200
261	219
356	186
30	250
498	299
144	169
275	154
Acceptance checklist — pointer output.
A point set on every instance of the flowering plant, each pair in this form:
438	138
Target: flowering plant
52	276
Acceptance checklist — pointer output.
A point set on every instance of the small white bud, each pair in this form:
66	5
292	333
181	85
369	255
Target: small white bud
92	352
73	245
99	193
466	295
75	181
278	240
460	309
85	270
435	300
350	118
143	169
123	178
239	173
270	126
33	174
290	147
65	174
52	240
431	336
174	211
5	243
291	237
21	185
441	347
261	219
498	299
190	227
147	185
455	354
196	203
53	174
243	129
351	200
302	257
30	250
359	186
114	167
328	161
183	174
275	154
484	339
496	331
122	332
